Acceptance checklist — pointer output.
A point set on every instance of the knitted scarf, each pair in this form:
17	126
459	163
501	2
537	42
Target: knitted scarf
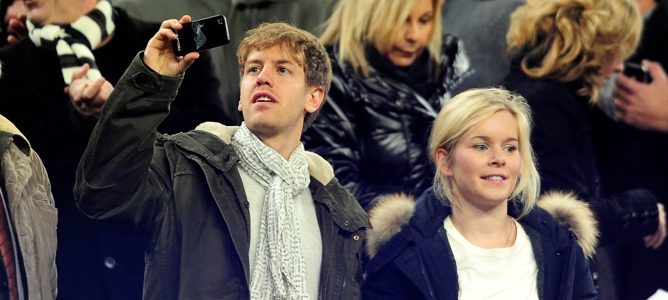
74	42
279	271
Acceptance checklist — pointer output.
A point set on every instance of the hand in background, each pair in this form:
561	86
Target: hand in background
88	96
159	55
15	19
644	105
655	240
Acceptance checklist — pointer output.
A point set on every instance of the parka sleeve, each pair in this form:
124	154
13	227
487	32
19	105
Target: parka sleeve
123	173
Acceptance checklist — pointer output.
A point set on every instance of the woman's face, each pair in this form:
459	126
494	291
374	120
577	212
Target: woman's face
605	73
413	35
486	163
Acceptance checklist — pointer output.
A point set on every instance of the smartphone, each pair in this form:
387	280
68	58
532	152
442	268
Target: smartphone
637	72
201	34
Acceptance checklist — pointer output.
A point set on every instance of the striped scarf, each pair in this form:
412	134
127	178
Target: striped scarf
279	271
74	42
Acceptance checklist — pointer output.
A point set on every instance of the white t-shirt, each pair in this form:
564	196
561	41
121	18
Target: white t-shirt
500	273
308	228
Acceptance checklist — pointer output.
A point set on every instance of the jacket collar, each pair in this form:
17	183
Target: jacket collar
318	167
19	139
205	141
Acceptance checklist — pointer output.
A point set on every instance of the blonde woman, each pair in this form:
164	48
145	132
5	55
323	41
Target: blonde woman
478	233
562	51
392	69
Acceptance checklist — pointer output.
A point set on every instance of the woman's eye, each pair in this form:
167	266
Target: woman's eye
480	147
511	149
425	20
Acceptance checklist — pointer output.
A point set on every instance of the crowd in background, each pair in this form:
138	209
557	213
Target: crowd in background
397	72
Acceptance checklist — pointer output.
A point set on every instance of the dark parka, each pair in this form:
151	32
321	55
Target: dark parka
382	122
563	142
186	193
411	257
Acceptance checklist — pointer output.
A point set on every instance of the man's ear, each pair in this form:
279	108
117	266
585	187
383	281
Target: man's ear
239	105
315	99
443	166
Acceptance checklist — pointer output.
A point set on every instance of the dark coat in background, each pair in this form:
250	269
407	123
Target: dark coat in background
95	260
482	27
562	139
411	257
564	143
631	158
374	130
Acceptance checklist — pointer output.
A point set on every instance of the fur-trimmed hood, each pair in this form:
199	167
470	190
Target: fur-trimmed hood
392	212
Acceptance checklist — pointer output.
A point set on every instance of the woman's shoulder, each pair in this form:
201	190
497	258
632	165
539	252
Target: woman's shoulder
564	215
388	217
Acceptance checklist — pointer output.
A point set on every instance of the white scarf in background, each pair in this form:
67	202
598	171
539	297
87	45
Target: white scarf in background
279	271
74	42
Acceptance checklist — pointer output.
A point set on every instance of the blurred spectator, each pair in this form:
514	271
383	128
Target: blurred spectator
640	129
55	102
393	70
241	15
561	53
481	25
28	219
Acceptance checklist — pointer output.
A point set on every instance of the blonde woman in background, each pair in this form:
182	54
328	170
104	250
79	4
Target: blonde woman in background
561	52
393	70
478	233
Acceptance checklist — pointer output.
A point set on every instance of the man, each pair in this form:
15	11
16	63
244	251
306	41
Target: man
241	15
53	84
231	212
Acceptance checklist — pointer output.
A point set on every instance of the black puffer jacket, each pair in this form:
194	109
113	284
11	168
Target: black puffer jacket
375	130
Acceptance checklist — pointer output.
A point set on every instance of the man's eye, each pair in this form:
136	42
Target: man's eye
252	70
283	70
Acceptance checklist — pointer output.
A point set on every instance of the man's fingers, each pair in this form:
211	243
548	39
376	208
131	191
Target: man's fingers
655	70
185	19
92	89
80	72
188	59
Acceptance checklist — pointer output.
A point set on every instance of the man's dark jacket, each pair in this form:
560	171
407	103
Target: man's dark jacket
186	193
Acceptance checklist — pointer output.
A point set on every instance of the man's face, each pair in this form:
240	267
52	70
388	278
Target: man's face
42	12
274	94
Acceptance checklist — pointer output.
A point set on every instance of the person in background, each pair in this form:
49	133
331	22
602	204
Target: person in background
53	85
392	72
477	234
481	25
28	220
561	53
638	125
232	212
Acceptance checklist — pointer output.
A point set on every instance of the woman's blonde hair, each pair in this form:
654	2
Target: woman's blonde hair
358	23
567	40
462	113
